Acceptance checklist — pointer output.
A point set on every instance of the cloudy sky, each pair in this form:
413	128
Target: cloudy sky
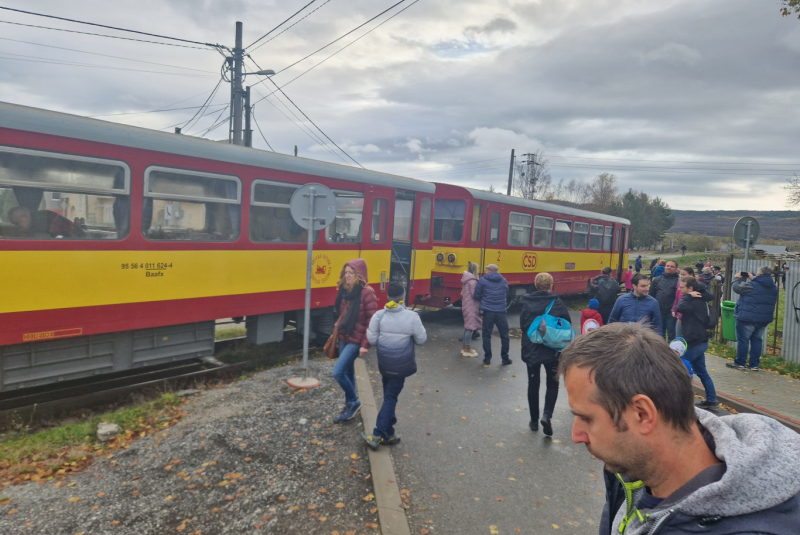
695	102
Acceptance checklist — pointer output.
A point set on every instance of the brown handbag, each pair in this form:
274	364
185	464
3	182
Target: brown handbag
331	347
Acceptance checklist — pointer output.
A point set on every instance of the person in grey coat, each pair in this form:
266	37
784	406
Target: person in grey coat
394	331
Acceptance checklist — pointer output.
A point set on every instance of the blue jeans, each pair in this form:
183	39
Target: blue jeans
490	319
749	336
696	356
384	423
345	370
668	322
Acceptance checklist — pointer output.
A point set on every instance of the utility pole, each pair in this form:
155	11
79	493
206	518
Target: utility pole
248	132
510	173
530	172
237	87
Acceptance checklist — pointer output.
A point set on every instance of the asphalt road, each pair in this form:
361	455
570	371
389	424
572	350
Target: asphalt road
467	458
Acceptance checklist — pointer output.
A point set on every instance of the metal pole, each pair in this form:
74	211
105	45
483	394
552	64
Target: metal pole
248	132
309	248
747	249
510	173
237	86
775	329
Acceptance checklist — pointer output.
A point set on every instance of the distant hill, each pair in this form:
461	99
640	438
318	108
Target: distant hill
776	225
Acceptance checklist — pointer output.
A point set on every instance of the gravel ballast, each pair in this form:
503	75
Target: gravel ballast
255	456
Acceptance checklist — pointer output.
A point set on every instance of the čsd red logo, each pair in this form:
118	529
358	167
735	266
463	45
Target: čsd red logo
529	262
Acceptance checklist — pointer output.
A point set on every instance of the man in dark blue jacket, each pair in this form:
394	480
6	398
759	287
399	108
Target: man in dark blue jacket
638	264
670	467
637	305
492	292
757	298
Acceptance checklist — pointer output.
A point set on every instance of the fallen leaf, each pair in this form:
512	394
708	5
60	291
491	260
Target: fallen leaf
323	491
372	525
493	530
74	499
520	461
368	497
294	507
340	505
499	499
115	522
424	531
436	496
555	526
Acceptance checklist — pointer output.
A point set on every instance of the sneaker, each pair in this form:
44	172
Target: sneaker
341	418
547	427
391	441
373	441
753	368
349	412
468	352
707	404
734	365
506	362
487	362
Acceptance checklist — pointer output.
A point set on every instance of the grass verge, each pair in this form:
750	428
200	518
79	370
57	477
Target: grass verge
767	362
227	334
54	453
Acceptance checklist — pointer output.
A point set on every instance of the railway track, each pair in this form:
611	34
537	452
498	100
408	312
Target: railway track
45	402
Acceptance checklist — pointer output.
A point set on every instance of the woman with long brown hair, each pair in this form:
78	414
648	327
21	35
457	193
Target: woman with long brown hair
355	305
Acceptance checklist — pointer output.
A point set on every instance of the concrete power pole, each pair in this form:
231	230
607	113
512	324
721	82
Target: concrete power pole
248	132
530	172
510	173
237	92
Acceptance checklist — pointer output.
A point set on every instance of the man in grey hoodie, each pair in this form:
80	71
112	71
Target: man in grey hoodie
669	467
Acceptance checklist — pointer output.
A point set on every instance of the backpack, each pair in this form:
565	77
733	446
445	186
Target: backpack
607	290
589	325
550	331
712	319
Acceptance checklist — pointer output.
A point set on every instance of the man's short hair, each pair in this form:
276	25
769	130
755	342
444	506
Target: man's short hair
674	262
606	270
765	270
691	283
638	277
628	359
543	281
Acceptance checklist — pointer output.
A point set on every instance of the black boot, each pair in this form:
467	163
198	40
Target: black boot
547	428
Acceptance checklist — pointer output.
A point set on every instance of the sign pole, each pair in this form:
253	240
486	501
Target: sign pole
747	248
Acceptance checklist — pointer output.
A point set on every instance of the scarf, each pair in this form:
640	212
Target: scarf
348	323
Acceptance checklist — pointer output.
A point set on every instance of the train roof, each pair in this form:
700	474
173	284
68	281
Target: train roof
540	205
41	121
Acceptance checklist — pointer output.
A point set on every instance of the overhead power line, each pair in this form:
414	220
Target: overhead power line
253	114
151	111
37	59
289	27
668	161
100	35
111	27
281	24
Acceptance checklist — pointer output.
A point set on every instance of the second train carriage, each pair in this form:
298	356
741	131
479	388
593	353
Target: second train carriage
523	237
120	246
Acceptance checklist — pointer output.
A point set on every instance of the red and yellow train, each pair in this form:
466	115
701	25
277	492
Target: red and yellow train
120	246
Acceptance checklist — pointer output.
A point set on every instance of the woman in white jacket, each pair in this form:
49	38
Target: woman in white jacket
394	331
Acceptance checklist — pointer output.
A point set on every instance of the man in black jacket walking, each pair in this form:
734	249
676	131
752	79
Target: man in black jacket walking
695	314
663	289
605	290
535	356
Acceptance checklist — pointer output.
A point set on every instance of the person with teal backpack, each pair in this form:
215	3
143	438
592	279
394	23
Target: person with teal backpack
542	307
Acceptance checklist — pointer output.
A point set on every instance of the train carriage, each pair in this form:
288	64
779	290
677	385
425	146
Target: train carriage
120	246
523	237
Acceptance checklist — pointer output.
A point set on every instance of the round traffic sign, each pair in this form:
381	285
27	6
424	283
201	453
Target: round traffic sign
740	231
324	206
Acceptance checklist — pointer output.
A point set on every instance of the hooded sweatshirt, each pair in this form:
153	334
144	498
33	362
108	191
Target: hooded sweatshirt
469	307
395	331
491	291
756	490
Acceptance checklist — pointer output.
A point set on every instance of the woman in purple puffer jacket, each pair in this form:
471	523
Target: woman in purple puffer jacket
469	307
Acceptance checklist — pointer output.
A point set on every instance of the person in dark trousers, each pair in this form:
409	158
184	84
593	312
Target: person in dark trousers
683	250
672	468
395	332
605	290
663	290
654	263
492	292
694	313
753	312
637	266
638	306
538	356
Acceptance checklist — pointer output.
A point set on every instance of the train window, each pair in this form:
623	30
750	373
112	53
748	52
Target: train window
448	219
542	231
607	239
270	220
519	229
185	205
580	235
477	212
563	233
596	238
494	229
60	196
346	228
403	213
380	215
424	220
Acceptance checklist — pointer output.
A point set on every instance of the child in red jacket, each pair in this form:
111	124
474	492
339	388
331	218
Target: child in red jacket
592	314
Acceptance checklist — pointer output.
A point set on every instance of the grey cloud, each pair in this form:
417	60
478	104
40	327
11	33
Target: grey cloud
496	25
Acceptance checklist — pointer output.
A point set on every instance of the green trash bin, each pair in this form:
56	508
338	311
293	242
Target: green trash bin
728	321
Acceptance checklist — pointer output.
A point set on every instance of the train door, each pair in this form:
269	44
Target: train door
402	260
421	249
376	242
620	237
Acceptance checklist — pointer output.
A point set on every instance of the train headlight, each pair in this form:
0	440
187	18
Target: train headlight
440	257
451	258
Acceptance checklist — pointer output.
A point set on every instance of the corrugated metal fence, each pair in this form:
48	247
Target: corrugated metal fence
791	317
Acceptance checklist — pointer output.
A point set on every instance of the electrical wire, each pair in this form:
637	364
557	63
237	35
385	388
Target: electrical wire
282	23
668	161
253	115
110	27
38	59
151	111
208	99
739	172
288	28
106	55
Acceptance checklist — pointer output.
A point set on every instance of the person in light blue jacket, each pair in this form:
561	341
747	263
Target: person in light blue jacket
394	331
